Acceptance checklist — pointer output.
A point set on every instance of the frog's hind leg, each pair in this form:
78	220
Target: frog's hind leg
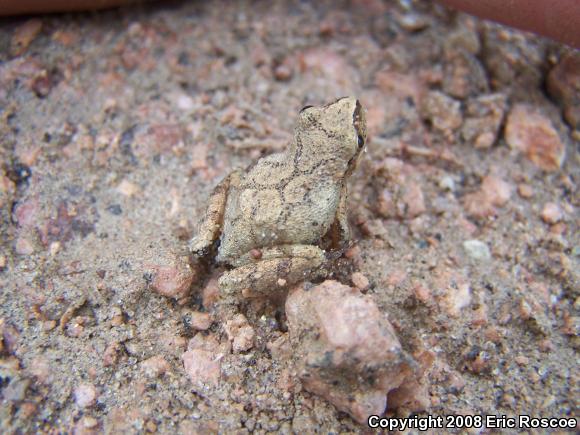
275	269
211	226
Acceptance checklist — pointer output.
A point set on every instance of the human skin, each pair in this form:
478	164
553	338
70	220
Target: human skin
17	7
556	19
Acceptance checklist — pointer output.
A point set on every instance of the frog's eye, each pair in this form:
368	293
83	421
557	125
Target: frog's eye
361	141
304	108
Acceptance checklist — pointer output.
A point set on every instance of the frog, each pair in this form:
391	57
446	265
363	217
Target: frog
279	221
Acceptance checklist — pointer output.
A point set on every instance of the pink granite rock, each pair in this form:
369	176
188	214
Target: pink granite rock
552	213
360	281
483	117
532	133
443	112
345	349
155	366
200	321
202	362
240	333
174	278
496	191
564	85
463	76
85	395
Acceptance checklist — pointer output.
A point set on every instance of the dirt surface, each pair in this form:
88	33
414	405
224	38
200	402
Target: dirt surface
115	126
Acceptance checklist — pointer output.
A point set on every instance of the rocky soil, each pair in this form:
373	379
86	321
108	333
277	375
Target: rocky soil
114	128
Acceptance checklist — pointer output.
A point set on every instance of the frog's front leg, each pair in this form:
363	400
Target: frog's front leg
340	230
211	226
269	270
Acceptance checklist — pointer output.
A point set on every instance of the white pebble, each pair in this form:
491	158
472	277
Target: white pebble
477	249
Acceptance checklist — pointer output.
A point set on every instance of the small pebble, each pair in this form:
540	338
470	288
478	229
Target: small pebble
150	426
49	325
24	246
352	252
173	280
127	188
496	191
477	250
90	422
111	354
522	360
117	320
283	72
200	321
240	333
552	213
413	22
360	281
447	183
549	401
16	390
210	293
155	366
422	293
525	191
202	366
546	345
24	35
442	111
54	248
85	395
532	133
115	209
563	84
413	199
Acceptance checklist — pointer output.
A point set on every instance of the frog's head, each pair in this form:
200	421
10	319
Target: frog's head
337	129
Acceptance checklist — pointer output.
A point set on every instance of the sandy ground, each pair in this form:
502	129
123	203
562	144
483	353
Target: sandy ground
115	126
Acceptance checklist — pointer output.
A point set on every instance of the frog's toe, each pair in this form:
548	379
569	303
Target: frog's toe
196	247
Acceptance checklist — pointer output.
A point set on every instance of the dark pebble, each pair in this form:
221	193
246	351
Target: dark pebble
19	173
115	209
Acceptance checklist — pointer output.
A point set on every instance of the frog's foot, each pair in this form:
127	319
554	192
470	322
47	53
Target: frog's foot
262	255
270	270
336	253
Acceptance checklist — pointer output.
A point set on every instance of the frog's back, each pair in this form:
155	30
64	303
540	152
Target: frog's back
271	207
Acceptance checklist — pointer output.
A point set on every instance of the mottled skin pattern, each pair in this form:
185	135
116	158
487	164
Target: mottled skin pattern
270	219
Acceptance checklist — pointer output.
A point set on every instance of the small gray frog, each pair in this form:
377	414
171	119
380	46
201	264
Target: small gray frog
272	218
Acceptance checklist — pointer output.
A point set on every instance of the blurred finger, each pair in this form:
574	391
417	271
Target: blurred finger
557	19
